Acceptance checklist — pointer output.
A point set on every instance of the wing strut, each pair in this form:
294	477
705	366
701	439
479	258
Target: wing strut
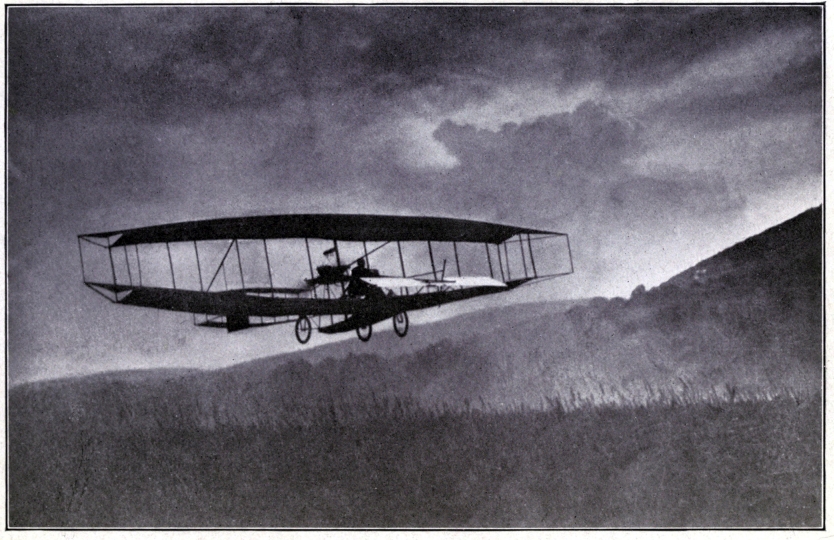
110	255
431	256
532	260
269	271
239	264
127	264
570	256
500	264
400	251
171	263
523	260
81	254
310	262
199	272
138	263
339	263
221	265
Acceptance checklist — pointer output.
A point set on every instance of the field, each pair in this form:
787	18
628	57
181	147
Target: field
679	461
694	404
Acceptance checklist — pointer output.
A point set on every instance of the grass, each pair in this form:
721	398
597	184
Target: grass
678	459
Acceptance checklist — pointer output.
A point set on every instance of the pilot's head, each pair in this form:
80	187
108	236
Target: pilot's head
360	263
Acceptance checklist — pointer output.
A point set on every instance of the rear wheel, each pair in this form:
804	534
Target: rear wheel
303	329
364	332
401	324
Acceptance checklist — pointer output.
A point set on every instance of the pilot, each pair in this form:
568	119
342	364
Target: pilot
331	272
357	287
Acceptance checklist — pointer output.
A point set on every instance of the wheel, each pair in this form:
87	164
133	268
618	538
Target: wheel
364	332
303	329
401	324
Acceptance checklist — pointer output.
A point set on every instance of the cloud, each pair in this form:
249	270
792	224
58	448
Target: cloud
78	165
773	74
165	62
646	46
577	172
522	102
413	141
760	155
654	136
547	159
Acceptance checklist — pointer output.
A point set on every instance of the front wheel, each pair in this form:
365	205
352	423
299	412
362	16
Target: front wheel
303	329
364	332
401	324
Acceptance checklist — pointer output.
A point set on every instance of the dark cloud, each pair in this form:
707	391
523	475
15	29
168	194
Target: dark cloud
148	59
158	60
62	169
647	45
651	134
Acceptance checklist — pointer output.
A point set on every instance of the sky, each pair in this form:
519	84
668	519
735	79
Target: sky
654	136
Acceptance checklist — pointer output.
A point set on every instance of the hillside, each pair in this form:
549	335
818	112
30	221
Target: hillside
718	369
748	318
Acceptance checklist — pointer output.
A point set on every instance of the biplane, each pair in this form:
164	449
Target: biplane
332	272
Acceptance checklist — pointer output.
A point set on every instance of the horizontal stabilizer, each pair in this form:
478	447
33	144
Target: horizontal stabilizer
237	321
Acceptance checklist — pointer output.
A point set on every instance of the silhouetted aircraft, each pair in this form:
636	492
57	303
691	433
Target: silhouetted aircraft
262	282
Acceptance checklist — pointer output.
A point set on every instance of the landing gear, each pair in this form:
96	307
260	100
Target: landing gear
364	332
303	329
401	324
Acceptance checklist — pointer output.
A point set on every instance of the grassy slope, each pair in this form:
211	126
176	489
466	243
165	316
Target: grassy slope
391	464
287	443
751	321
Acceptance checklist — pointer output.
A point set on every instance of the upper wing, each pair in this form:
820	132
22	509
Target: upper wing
348	227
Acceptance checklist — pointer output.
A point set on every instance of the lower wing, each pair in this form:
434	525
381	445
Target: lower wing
451	283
